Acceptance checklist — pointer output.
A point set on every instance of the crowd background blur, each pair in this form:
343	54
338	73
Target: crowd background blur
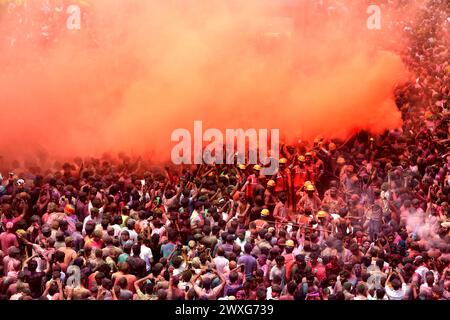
361	219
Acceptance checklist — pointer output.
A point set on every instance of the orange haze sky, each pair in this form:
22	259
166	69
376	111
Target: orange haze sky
146	68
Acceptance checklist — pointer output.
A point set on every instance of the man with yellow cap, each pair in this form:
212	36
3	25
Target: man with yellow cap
289	257
323	225
251	182
300	175
269	195
283	179
263	221
240	172
310	201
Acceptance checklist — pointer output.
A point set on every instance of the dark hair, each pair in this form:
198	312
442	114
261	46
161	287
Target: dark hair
380	293
261	293
291	287
360	288
396	284
59	256
123	282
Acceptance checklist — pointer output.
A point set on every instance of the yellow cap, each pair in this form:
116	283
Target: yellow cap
283	160
310	187
21	232
264	212
241	166
289	243
301	158
270	183
257	167
271	229
308	154
321	214
340	160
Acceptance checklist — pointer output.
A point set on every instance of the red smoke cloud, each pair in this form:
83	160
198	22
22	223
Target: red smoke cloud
137	70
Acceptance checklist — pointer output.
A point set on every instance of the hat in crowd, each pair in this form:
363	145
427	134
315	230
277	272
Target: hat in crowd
340	160
191	244
321	214
9	225
265	212
257	167
283	160
20	182
310	187
290	243
271	230
69	209
271	183
241	166
301	158
21	232
331	146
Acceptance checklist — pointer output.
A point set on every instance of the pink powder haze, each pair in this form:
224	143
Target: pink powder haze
137	70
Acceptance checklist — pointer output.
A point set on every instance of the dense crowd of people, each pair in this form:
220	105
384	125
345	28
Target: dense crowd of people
362	219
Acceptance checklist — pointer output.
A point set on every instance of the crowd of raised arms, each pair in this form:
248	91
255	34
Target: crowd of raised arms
362	219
